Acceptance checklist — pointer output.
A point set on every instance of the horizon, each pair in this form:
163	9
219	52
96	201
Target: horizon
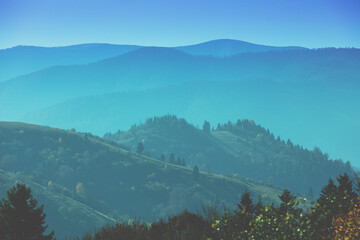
175	46
307	24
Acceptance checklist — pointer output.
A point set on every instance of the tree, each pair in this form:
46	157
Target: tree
20	218
172	158
162	158
246	205
206	127
140	148
196	172
287	201
347	224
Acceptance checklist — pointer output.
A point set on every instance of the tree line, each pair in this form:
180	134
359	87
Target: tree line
334	215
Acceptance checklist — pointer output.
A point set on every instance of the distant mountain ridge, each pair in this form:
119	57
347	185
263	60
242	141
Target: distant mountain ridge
229	47
22	60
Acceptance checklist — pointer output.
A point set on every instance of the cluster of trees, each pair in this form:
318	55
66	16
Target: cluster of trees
280	162
173	160
179	161
334	215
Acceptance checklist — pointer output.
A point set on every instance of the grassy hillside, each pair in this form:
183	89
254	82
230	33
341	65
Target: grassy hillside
106	179
243	148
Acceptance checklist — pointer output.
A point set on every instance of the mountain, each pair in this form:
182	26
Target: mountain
23	60
242	148
86	181
158	67
311	116
229	47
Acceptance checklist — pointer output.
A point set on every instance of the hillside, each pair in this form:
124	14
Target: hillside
309	117
229	47
104	181
67	215
241	148
23	60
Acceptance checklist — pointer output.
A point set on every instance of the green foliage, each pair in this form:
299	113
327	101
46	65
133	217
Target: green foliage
20	217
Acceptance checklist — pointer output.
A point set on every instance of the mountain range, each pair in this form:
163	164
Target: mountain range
23	60
308	95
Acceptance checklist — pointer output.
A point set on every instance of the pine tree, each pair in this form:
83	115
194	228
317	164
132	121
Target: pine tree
287	200
140	148
206	127
345	195
172	158
20	218
162	158
327	191
246	205
196	172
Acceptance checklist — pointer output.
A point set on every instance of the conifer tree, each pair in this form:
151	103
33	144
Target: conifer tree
172	158
287	200
20	217
140	148
196	172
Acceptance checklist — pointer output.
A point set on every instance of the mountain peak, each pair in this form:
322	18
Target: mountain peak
229	47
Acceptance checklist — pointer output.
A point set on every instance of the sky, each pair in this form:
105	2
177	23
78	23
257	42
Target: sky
307	23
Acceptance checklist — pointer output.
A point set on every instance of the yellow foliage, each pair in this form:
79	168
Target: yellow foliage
79	188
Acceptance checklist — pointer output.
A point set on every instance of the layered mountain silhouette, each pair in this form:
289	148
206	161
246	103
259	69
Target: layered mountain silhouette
22	60
291	90
157	67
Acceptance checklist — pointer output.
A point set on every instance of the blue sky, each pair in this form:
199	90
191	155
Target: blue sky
309	23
